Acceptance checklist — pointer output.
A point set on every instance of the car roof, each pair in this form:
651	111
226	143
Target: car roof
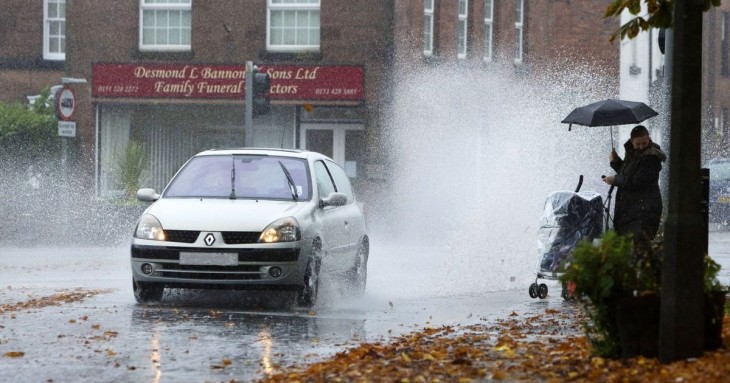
297	153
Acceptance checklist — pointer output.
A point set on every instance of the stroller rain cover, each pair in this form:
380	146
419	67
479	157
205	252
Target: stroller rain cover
567	218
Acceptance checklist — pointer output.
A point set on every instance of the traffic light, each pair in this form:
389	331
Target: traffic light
261	85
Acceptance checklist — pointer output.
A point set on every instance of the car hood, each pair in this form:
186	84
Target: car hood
221	214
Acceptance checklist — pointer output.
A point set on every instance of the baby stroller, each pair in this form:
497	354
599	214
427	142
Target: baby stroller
567	218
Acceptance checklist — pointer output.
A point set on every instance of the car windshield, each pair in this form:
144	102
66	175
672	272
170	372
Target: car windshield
719	170
242	176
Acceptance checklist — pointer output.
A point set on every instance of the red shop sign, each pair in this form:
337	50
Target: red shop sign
177	81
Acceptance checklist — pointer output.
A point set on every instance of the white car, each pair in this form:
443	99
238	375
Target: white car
251	219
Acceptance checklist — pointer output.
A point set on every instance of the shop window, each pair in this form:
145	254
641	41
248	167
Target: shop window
165	25
488	29
461	28
519	30
54	29
293	25
428	28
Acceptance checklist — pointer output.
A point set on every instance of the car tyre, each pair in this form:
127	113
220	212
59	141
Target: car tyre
145	292
307	297
357	277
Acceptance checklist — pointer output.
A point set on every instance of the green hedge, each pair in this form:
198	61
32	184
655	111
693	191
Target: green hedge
29	133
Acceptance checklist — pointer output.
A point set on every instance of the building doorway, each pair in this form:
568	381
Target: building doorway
344	143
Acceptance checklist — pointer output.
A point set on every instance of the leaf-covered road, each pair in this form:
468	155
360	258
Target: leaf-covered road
547	347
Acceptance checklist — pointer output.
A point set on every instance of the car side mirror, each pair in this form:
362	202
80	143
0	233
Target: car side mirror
334	199
147	195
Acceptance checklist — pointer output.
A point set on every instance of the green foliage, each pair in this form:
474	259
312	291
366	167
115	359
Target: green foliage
605	272
28	132
607	269
712	268
602	274
130	167
659	15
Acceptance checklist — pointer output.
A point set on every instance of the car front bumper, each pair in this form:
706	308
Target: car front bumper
196	267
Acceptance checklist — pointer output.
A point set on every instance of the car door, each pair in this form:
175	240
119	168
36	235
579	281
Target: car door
355	222
334	223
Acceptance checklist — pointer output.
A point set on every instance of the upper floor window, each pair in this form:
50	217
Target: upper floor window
428	27
519	30
54	29
488	29
461	28
165	25
293	25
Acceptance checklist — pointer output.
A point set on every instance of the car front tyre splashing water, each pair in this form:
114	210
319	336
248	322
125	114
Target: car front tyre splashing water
308	296
147	292
357	276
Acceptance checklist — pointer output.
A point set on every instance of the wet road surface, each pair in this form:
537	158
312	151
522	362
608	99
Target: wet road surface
212	336
198	335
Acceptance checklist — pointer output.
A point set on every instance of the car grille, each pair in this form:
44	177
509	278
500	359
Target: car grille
240	237
241	272
182	236
244	255
229	237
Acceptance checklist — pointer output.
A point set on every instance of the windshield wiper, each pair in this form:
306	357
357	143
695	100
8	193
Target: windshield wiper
233	178
293	188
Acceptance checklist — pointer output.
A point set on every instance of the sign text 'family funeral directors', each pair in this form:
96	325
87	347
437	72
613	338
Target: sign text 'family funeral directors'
288	82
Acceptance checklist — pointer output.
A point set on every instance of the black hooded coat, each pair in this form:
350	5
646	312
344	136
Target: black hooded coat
638	198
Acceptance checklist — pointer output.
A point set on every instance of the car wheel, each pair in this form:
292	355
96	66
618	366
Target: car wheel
147	292
357	277
307	297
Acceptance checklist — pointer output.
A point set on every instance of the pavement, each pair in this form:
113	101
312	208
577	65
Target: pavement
541	342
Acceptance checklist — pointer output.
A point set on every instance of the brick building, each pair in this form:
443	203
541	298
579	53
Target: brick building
168	74
716	82
32	47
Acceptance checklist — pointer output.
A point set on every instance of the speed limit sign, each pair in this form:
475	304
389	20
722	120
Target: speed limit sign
65	103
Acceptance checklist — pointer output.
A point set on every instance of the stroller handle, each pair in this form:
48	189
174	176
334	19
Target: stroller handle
580	183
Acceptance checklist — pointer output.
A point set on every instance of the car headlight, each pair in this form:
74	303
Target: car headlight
282	230
149	227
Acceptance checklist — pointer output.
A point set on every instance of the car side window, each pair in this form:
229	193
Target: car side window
342	182
324	181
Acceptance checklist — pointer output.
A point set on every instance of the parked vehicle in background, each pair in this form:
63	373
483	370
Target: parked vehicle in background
262	219
719	191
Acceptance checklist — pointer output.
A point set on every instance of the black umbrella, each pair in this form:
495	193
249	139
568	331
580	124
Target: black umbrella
610	113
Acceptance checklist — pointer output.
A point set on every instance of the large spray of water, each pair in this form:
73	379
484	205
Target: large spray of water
475	153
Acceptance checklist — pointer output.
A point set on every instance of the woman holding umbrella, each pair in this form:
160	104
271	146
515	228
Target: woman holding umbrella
638	199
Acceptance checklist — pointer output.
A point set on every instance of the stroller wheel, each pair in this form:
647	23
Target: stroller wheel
533	290
542	291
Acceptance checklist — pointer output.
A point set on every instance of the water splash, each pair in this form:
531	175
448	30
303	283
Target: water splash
474	155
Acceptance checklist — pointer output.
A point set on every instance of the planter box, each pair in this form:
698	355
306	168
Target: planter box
714	313
637	320
638	324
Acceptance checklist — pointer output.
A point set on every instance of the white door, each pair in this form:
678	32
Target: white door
344	143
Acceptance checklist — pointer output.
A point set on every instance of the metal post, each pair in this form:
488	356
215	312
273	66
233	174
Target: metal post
248	127
681	327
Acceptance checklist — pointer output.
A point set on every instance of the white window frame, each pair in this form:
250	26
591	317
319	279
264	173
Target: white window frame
291	5
428	27
462	28
488	29
519	30
148	5
47	33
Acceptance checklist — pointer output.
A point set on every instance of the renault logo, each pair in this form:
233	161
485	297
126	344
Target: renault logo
209	239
